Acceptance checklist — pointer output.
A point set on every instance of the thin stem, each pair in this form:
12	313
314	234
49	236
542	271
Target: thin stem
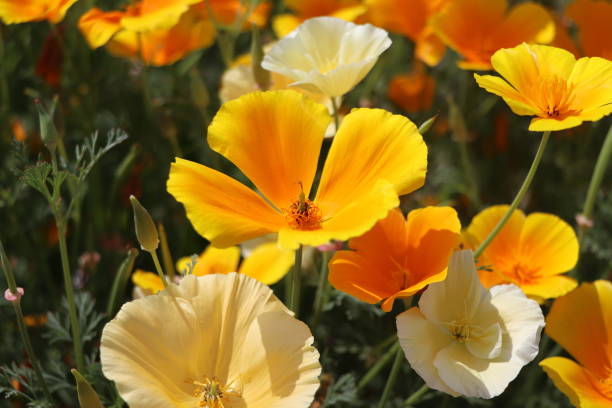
335	108
158	268
596	178
165	249
519	196
294	297
74	320
416	396
399	356
30	350
321	289
379	365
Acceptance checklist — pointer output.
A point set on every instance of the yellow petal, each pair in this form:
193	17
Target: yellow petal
220	209
147	281
549	244
267	263
99	26
283	24
371	144
217	260
572	380
274	138
549	287
593	79
552	125
12	12
581	322
499	87
150	15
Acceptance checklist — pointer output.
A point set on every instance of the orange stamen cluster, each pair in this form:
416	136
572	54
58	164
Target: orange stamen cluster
554	97
303	215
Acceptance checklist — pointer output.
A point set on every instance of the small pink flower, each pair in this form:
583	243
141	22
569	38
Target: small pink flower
13	297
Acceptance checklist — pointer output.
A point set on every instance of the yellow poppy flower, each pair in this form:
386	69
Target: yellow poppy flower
348	10
275	138
410	18
15	12
398	257
350	52
478	28
594	30
581	322
215	341
549	83
531	252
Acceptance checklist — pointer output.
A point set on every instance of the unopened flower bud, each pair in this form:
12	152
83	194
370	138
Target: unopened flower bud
145	227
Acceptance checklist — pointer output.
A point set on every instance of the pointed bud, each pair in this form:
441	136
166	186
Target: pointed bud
48	132
425	126
88	398
145	228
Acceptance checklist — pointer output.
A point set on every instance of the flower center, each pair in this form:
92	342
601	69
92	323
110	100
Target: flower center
460	330
554	97
523	274
212	393
603	385
303	214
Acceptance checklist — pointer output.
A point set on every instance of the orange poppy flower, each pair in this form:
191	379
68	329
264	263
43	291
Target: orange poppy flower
413	92
531	252
274	138
15	12
348	10
581	322
478	28
410	18
594	29
549	83
398	257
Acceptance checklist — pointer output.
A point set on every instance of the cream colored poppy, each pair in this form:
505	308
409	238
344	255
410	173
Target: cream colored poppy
327	55
477	340
215	341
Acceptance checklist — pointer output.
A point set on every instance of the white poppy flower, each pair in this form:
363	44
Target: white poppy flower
327	55
466	340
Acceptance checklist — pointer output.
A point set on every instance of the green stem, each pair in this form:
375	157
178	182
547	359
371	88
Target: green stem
294	297
158	268
596	178
416	396
165	249
519	196
321	289
74	321
335	108
395	369
379	365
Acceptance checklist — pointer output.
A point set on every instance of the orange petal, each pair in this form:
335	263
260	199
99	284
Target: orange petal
221	209
573	380
593	21
274	138
581	322
549	244
526	22
98	26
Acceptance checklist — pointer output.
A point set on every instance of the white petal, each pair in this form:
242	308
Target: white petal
421	340
459	296
486	343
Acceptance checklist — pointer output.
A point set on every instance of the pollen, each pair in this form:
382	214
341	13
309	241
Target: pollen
303	215
211	393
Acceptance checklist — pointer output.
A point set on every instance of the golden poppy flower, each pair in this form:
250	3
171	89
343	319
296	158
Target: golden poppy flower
581	322
398	257
348	10
531	252
350	53
214	341
413	92
594	30
191	30
411	19
15	12
549	83
275	138
478	28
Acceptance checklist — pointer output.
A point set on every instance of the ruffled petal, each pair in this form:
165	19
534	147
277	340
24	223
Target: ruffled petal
221	209
274	138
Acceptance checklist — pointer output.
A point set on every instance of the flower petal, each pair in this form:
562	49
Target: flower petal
573	380
526	22
267	263
221	209
99	26
217	260
549	243
371	145
593	80
550	287
552	125
147	281
412	328
581	322
499	87
488	344
274	138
